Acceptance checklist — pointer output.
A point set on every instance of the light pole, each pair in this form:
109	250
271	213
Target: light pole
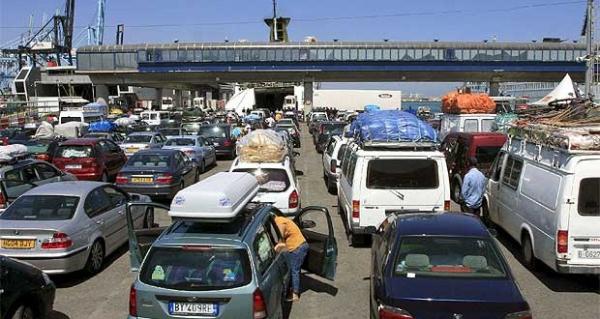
589	74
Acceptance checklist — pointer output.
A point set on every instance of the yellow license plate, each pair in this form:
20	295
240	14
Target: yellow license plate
143	180
17	243
132	150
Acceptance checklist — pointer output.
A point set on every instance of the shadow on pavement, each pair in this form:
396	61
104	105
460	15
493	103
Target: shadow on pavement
310	283
551	279
57	315
74	279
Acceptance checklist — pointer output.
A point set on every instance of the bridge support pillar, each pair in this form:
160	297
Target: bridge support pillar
308	96
158	99
101	91
494	88
178	98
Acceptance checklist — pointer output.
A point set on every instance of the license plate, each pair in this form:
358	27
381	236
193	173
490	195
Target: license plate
73	166
143	180
192	308
17	243
132	150
216	144
588	254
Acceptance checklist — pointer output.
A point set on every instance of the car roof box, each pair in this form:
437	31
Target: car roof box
220	197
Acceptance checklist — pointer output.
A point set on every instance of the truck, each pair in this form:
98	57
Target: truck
355	100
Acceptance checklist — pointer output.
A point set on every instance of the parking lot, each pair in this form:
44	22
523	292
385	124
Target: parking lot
550	295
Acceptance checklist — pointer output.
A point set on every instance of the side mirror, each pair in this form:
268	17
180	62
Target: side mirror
305	224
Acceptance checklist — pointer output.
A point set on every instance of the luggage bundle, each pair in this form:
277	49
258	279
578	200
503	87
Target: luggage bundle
12	152
468	103
391	126
102	126
262	146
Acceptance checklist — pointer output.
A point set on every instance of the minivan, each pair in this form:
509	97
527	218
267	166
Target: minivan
466	123
548	200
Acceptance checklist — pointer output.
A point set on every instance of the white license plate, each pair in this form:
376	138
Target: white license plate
73	166
588	254
192	308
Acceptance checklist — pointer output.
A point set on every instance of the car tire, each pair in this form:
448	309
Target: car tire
104	178
149	218
24	312
95	258
529	260
202	168
197	176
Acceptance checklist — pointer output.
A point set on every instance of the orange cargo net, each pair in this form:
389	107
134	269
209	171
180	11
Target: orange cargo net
467	103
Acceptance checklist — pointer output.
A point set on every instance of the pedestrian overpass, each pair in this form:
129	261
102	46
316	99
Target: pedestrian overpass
190	64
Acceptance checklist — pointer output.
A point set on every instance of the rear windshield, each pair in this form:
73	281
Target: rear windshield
196	268
148	160
588	203
171	131
138	139
41	207
213	131
448	257
319	117
180	142
485	155
271	180
67	119
333	129
402	174
74	151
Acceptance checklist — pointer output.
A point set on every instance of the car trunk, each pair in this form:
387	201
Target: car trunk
144	176
131	148
22	238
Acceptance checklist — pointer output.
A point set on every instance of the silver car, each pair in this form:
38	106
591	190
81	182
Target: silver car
68	226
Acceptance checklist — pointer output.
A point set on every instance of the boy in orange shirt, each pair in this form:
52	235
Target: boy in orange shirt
296	245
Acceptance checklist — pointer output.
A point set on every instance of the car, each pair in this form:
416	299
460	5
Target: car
200	149
325	131
65	227
290	117
459	147
441	265
113	136
293	132
27	292
466	123
158	173
43	149
223	140
90	158
142	140
315	119
332	161
168	132
220	261
278	184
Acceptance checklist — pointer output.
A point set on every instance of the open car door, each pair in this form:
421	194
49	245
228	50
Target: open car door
317	228
142	234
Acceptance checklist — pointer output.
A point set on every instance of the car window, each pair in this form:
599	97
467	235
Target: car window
41	207
588	203
273	230
180	142
213	131
351	168
138	139
271	180
485	156
14	184
497	166
487	125
402	174
331	146
512	172
116	197
96	203
341	151
471	126
263	249
440	256
112	146
148	160
46	171
28	173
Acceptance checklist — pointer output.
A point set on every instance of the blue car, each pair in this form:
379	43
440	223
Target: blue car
198	148
441	265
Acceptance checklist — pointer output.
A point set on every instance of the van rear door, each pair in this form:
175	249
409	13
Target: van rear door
584	215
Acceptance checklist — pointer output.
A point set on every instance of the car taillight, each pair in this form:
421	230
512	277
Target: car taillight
227	143
519	315
190	152
293	202
164	179
58	241
446	205
562	242
387	312
121	179
333	166
355	209
2	200
259	308
43	157
132	301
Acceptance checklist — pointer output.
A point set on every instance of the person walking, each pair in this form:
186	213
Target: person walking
297	248
473	187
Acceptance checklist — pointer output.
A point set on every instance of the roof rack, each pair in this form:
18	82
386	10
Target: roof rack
401	145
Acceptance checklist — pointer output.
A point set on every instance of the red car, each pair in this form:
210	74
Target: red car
90	158
458	147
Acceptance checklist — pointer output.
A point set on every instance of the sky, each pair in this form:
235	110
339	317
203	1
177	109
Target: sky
159	21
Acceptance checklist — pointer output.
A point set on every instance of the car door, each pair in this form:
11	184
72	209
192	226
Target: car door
141	238
493	186
46	173
183	165
317	228
118	201
508	196
98	208
116	155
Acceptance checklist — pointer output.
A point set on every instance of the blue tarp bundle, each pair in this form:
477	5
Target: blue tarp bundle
372	107
392	126
101	126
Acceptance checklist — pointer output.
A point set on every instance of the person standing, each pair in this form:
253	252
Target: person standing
297	248
473	187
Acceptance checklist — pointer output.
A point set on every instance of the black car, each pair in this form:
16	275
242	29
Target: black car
26	292
441	265
157	173
325	131
222	138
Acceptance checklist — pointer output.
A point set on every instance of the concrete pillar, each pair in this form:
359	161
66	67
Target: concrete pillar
177	99
158	99
102	91
308	97
494	88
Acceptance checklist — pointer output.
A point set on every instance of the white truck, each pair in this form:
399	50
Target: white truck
355	100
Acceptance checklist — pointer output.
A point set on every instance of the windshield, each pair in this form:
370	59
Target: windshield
213	131
448	257
138	139
41	207
271	180
196	268
148	160
180	142
74	151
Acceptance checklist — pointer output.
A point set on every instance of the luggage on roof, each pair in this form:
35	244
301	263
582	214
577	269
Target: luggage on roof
219	197
12	152
262	146
391	126
102	126
468	103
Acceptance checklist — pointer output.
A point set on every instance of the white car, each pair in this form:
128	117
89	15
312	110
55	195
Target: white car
278	184
142	140
198	148
332	161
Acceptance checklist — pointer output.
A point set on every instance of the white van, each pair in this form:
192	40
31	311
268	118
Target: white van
378	179
548	199
79	116
155	118
466	123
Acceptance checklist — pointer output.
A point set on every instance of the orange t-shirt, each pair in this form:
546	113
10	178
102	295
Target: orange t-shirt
291	233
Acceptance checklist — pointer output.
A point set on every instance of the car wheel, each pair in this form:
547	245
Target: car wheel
104	177
527	252
149	218
455	191
202	168
95	258
24	312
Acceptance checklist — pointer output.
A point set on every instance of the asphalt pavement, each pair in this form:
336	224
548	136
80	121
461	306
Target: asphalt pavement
550	295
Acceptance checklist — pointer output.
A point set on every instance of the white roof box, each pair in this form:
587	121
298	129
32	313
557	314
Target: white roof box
221	196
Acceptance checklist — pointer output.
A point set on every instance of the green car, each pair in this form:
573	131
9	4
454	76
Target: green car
221	269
